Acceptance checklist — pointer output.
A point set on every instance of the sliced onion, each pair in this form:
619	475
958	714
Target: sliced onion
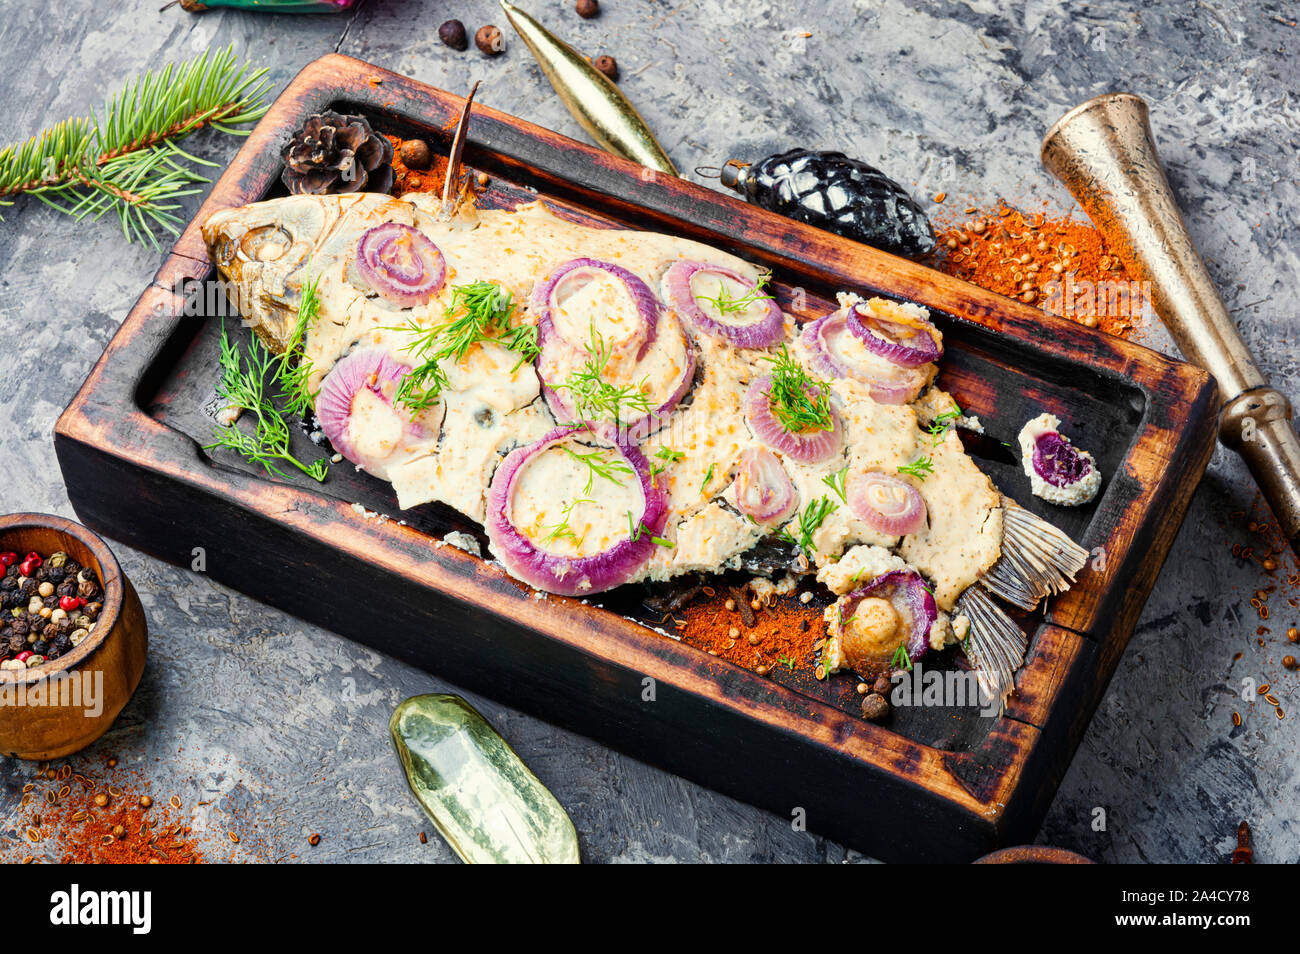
762	333
912	601
887	504
807	447
906	340
545	292
376	371
763	488
401	264
824	341
571	576
559	351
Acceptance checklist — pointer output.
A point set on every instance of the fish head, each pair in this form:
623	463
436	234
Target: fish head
266	251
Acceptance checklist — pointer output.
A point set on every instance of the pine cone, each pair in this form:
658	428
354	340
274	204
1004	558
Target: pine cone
333	153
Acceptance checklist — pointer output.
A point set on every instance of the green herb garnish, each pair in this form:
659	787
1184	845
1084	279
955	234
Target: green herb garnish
798	401
292	375
918	468
838	481
243	385
593	397
599	464
635	528
667	456
901	659
561	530
810	519
726	305
479	311
708	476
941	425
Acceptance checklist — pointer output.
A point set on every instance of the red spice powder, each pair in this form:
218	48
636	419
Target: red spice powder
1060	264
783	633
58	820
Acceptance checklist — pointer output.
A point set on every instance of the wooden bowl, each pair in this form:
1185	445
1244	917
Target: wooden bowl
61	722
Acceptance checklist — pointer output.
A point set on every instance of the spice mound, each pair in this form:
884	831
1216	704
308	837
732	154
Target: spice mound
49	606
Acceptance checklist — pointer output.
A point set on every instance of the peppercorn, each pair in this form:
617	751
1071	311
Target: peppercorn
452	33
882	686
145	801
1293	634
608	66
874	707
1288	662
415	154
101	799
588	8
489	40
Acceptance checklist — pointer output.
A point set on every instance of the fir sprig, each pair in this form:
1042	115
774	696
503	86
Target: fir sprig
127	158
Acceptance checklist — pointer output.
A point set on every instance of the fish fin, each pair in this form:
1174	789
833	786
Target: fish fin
1037	559
996	646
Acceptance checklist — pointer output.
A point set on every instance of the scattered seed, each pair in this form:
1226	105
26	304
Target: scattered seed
233	837
1236	718
424	839
314	839
101	800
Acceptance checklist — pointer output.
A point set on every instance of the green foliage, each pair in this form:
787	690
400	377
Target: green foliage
127	158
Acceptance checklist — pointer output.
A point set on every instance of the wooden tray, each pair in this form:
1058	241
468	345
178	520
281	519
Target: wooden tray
933	784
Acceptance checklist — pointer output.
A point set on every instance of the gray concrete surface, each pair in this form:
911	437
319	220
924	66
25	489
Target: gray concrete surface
286	724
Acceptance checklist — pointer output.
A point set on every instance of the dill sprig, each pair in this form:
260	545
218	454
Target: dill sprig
594	398
941	424
562	530
635	528
918	468
838	482
127	158
665	456
479	311
799	401
599	463
243	385
727	305
809	520
295	367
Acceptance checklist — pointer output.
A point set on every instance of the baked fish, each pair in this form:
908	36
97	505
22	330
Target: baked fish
618	405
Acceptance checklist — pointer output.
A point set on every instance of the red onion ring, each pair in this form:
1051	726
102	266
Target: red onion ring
542	301
887	504
767	331
371	368
555	347
887	384
906	591
905	340
401	264
763	488
570	576
807	447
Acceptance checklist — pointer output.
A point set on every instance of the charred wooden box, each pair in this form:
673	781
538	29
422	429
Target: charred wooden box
931	784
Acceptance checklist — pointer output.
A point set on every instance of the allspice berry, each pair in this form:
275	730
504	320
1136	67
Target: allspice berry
452	33
874	707
882	686
1289	662
607	66
415	154
489	40
588	8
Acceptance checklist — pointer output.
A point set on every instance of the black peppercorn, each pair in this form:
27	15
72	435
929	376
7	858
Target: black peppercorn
489	40
588	8
87	590
17	642
452	33
93	610
40	647
67	588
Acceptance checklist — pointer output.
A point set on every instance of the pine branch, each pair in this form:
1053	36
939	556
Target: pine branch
127	158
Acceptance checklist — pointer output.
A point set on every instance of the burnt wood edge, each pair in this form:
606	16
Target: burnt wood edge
334	77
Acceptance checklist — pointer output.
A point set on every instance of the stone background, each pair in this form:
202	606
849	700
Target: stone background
948	96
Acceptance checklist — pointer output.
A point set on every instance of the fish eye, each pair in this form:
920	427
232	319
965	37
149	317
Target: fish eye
265	244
